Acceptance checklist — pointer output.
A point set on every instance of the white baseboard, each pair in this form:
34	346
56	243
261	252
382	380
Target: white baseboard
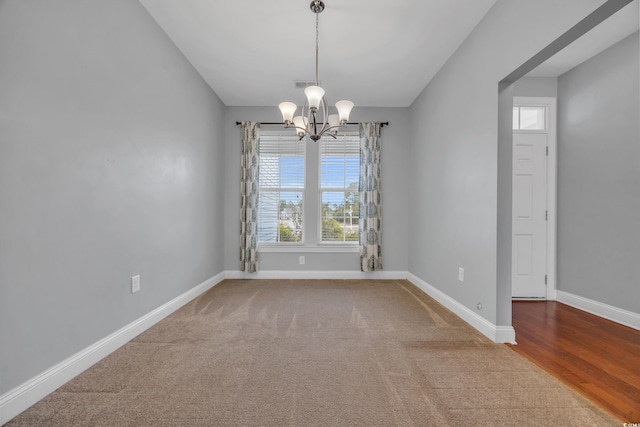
498	334
615	314
22	397
322	274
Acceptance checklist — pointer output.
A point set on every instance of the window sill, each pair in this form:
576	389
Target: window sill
312	249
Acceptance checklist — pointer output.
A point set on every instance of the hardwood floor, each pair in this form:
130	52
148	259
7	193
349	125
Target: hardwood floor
597	357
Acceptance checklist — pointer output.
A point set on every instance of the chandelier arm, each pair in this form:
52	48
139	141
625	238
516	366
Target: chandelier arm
309	115
326	131
325	116
315	124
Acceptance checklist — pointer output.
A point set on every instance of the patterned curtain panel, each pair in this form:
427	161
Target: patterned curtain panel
249	198
370	208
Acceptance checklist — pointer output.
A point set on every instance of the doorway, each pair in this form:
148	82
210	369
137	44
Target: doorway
505	88
533	208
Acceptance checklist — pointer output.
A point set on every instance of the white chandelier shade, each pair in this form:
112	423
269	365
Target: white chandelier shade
314	96
288	109
344	109
300	123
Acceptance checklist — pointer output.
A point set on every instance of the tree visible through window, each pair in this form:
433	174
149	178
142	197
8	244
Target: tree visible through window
339	196
281	188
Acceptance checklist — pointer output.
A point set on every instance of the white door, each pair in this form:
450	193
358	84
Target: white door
529	246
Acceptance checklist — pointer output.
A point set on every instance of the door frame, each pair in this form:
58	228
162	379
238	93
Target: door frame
552	183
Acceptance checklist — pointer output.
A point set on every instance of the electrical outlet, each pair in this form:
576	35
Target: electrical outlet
135	284
461	274
301	259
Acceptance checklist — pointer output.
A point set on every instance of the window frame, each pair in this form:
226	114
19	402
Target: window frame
321	190
279	244
312	206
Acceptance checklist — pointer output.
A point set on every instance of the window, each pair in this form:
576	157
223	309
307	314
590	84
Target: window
529	117
281	188
308	192
339	196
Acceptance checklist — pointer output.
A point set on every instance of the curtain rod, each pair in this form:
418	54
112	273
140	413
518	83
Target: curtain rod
382	124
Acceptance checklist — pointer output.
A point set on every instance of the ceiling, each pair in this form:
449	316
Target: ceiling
615	28
372	52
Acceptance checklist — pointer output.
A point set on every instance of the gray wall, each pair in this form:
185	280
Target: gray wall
111	165
454	153
599	178
395	143
536	86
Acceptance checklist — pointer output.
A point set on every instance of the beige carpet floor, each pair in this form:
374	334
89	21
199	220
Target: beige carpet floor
313	353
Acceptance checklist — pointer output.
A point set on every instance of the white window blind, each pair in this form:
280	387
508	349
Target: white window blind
280	188
339	195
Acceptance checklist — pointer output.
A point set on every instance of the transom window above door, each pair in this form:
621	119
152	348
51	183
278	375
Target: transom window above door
528	117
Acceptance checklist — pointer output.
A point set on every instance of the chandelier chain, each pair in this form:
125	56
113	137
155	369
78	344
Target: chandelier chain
317	81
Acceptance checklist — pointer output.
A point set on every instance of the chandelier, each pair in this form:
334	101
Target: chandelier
307	123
